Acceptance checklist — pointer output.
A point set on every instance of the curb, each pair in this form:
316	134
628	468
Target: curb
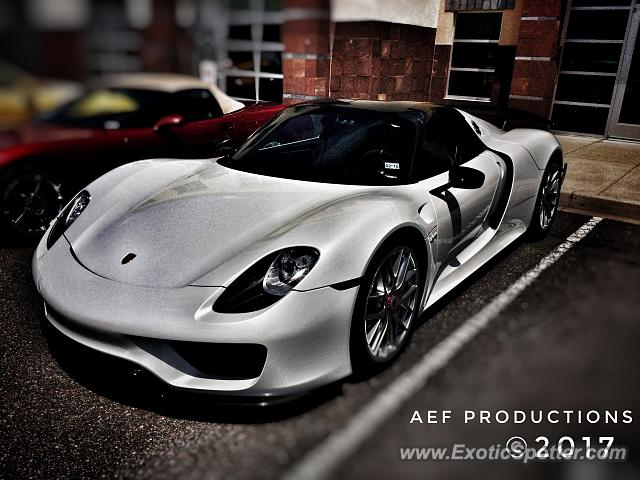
601	206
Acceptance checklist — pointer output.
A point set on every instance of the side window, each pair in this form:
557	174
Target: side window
439	157
438	152
447	140
197	104
466	141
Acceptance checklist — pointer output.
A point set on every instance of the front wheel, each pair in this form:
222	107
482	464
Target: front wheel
386	308
30	201
547	200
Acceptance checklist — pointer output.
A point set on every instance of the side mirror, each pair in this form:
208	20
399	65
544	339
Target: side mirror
168	122
466	177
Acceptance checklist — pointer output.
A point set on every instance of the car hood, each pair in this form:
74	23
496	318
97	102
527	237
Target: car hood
184	219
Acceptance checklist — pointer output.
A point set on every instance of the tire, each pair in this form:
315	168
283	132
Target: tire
547	201
30	199
392	307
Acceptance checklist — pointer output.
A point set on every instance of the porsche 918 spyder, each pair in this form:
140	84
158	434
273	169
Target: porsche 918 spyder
307	255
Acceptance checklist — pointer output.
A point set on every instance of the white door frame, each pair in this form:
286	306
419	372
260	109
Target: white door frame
614	127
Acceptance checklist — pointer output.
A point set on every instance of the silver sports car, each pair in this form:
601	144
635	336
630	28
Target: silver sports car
307	255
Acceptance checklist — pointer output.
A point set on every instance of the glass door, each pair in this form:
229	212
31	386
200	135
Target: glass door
624	121
593	43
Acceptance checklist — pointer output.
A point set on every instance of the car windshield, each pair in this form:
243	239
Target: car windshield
114	108
333	144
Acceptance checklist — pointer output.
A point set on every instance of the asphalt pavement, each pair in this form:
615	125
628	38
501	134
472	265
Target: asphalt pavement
568	342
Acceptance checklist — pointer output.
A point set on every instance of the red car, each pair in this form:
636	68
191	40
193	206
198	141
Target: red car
126	118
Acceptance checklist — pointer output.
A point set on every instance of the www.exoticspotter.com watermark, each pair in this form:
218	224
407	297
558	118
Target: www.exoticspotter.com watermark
516	449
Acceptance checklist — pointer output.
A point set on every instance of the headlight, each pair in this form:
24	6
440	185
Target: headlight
67	216
289	267
267	281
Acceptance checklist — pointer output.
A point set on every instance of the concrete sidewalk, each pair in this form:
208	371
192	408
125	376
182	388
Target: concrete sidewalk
603	177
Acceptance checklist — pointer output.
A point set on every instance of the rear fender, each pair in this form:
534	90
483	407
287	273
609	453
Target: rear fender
540	144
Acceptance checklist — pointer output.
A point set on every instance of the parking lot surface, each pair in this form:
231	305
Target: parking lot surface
569	341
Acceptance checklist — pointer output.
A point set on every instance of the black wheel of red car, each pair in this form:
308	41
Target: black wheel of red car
30	201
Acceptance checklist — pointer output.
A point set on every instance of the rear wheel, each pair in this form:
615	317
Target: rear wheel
547	200
386	308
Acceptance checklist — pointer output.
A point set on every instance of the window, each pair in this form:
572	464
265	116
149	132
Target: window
103	102
447	139
196	104
473	56
298	129
241	87
252	68
590	58
342	145
112	108
113	38
133	108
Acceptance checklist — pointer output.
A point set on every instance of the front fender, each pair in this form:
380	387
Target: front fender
346	234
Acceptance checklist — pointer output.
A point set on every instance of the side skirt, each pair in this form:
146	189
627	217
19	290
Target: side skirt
486	247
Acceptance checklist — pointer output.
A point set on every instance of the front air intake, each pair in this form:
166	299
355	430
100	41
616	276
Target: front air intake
224	361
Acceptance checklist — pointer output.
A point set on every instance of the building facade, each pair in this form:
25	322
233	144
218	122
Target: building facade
575	62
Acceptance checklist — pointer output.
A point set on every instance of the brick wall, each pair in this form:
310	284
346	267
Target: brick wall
306	56
369	60
385	61
381	61
536	61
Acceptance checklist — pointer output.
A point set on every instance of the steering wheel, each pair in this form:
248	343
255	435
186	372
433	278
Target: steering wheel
380	155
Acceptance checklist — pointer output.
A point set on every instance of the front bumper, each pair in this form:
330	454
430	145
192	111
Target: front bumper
306	334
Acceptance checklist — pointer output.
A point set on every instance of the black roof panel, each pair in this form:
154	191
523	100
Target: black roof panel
377	105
